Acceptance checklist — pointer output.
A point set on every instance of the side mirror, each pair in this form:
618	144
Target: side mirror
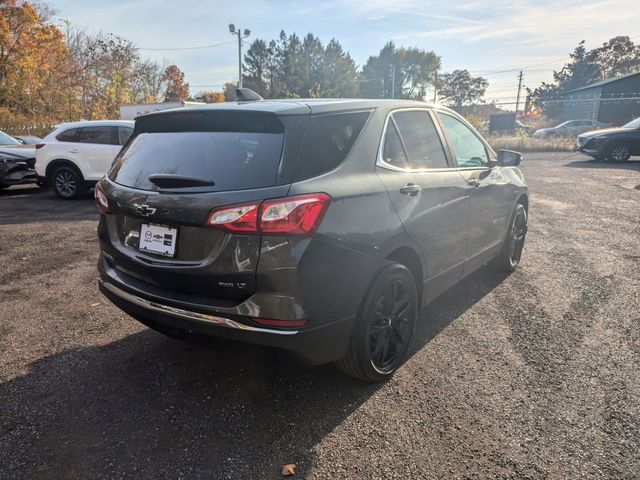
509	158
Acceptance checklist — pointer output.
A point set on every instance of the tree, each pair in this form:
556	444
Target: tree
177	90
618	56
33	61
414	70
294	67
257	67
211	97
459	88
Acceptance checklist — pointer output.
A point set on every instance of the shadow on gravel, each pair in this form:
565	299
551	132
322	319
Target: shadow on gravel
33	205
630	165
148	406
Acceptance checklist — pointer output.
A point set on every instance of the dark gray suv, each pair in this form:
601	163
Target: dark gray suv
316	226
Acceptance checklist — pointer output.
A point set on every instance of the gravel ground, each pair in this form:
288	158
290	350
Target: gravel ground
535	375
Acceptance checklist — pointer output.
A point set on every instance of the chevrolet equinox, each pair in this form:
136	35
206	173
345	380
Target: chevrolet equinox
316	226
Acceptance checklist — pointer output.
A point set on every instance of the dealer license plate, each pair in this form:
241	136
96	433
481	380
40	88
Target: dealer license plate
158	239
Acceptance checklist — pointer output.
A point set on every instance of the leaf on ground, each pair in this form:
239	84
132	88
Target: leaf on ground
95	304
24	258
289	470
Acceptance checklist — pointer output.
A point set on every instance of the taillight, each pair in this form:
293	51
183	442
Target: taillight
101	199
299	215
239	218
39	145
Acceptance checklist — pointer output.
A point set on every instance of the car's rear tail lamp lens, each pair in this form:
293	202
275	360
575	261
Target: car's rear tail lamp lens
39	145
241	218
299	215
101	199
269	322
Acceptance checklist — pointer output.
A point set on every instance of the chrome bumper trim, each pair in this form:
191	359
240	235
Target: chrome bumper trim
178	312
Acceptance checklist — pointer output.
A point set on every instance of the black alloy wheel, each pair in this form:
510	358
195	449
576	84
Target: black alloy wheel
384	328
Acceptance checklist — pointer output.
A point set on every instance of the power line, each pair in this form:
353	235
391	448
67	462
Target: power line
189	48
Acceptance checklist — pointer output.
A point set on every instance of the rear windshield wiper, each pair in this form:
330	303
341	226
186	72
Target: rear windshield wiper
163	180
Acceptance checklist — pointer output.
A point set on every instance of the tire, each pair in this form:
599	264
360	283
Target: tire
509	257
384	328
67	183
618	152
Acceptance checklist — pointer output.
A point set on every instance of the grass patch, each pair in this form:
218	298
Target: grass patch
529	144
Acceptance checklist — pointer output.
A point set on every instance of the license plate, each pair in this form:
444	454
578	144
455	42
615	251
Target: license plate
158	239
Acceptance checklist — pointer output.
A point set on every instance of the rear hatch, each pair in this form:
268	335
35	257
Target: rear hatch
178	167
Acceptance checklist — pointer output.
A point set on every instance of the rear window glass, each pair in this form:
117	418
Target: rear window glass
68	135
231	160
328	141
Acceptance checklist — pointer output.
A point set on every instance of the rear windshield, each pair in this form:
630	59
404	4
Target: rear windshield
231	160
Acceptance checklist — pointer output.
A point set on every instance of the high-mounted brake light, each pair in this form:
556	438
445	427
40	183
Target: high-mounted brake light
101	199
299	215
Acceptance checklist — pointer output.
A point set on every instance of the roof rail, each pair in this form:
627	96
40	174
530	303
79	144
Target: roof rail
247	95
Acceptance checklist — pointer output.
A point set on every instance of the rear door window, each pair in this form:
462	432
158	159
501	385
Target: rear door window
328	141
393	152
100	135
231	160
69	135
421	139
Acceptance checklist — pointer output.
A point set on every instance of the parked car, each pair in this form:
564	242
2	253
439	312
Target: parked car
16	162
317	226
612	144
74	156
571	128
27	139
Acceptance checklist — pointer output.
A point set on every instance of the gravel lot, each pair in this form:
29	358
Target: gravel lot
534	375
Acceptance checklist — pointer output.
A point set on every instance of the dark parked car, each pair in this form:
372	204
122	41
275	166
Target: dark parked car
16	162
612	144
320	227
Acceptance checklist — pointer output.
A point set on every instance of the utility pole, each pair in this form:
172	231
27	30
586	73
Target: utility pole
241	35
519	88
435	87
393	81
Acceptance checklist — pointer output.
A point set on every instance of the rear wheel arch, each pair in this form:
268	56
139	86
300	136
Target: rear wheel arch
409	258
54	164
524	201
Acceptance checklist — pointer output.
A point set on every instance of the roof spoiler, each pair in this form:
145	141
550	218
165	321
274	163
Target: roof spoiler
247	95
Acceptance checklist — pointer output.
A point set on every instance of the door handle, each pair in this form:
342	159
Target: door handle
410	189
74	150
474	182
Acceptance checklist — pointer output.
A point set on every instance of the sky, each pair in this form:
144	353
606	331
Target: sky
485	37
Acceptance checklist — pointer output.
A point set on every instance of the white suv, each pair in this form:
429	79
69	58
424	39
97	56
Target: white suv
74	156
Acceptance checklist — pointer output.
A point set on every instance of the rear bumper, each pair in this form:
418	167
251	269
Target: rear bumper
313	344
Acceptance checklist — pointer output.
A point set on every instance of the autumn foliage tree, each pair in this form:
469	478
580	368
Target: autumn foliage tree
34	63
177	90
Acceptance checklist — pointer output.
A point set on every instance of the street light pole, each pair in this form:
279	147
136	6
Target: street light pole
242	34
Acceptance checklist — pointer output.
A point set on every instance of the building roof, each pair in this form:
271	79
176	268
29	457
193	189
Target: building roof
603	82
